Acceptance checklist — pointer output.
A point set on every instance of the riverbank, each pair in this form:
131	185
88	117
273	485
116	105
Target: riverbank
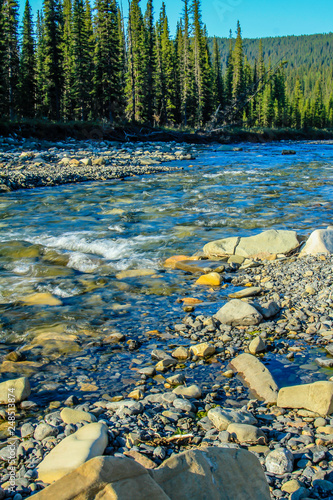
168	413
28	164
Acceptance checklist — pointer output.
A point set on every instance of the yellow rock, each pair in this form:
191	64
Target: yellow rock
22	367
171	261
136	394
41	299
135	273
88	387
190	301
211	279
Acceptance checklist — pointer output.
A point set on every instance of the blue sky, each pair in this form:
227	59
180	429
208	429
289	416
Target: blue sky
258	18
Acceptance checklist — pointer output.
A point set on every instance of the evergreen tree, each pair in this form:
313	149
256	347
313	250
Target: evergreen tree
27	74
217	80
296	115
40	65
238	87
52	63
67	61
229	72
185	64
150	58
10	57
107	83
318	111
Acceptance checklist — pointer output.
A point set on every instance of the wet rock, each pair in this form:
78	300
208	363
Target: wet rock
279	461
220	472
27	430
203	350
70	416
316	397
268	310
223	417
17	389
105	477
135	273
41	299
165	364
88	442
320	241
178	379
256	376
136	394
21	367
180	353
236	312
210	279
291	486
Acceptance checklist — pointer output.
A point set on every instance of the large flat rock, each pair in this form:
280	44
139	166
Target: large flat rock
88	442
213	473
107	478
256	376
320	241
316	397
271	242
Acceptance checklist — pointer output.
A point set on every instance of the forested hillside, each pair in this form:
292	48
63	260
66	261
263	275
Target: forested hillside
74	62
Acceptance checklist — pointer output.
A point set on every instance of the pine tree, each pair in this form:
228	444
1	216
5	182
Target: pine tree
318	110
217	80
185	64
40	109
229	72
2	61
107	83
296	115
67	61
150	58
238	87
10	56
52	64
27	73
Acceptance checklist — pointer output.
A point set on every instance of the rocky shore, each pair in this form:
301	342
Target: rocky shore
28	164
174	428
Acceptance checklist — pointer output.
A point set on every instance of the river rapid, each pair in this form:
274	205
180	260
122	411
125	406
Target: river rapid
72	241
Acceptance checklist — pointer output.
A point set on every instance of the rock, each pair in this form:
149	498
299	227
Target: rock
257	345
17	389
316	397
286	152
249	291
279	461
291	486
180	353
268	310
21	367
272	241
165	364
221	473
70	416
135	273
109	478
245	433
222	418
41	299
86	443
203	350
171	261
256	376
193	391
27	430
320	241
43	431
210	279
137	394
236	312
325	362
178	379
141	459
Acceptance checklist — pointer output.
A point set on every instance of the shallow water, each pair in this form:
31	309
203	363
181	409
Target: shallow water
72	240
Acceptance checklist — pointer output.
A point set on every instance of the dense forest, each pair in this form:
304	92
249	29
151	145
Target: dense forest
79	63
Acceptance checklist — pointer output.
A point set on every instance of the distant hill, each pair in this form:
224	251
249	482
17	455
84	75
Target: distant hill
309	56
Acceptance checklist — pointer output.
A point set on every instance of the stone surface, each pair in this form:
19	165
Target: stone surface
135	273
41	299
180	353
203	350
316	397
193	391
86	443
107	478
279	461
320	241
272	241
221	418
213	473
236	312
256	376
244	433
257	345
18	389
249	291
70	416
210	279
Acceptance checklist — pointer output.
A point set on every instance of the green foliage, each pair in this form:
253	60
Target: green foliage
27	69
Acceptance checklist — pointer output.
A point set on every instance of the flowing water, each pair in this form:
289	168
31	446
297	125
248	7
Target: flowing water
71	241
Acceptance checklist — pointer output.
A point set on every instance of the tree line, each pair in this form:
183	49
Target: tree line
78	63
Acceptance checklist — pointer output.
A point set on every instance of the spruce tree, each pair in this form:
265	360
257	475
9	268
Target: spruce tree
67	61
107	83
238	87
150	58
217	80
27	73
185	64
40	109
229	72
10	56
2	61
52	63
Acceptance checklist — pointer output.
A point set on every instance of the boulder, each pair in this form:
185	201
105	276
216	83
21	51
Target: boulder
257	345
110	478
272	241
212	473
203	350
236	312
210	279
244	433
320	241
222	418
70	416
17	389
256	376
88	442
316	397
